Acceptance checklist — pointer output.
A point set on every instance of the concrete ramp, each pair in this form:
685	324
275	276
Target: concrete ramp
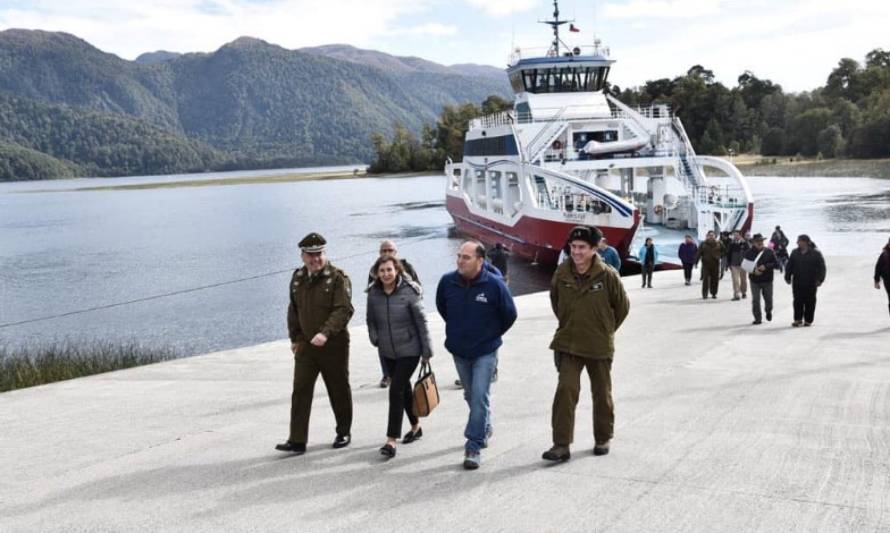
721	426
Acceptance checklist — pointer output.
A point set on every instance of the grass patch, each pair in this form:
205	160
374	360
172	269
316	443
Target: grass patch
804	168
57	361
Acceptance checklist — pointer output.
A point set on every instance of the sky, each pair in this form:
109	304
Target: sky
793	43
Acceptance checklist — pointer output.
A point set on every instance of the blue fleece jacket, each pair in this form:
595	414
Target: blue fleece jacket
476	313
611	257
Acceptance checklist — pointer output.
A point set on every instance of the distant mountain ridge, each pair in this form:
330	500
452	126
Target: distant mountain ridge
250	103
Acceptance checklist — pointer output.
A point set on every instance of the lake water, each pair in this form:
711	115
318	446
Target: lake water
63	251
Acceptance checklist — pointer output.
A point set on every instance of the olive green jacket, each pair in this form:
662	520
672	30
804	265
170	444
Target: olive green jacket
320	304
709	253
590	308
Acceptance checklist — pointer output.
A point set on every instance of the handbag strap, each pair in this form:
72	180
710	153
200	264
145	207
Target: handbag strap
425	370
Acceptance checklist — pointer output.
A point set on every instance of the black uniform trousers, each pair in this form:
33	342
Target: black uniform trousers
804	302
332	362
401	395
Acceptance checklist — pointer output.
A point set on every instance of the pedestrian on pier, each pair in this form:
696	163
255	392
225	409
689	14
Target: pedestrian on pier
688	253
319	310
710	253
648	259
805	272
779	243
764	263
738	247
590	304
478	309
397	328
609	254
882	270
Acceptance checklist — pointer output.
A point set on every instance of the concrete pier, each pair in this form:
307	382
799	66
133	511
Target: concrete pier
721	426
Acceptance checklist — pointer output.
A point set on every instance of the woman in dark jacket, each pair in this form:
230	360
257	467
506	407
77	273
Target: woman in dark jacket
882	270
805	272
397	327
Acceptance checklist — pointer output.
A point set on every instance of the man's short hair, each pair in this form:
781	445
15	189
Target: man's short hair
480	248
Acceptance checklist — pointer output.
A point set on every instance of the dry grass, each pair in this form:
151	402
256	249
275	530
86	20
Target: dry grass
755	165
58	361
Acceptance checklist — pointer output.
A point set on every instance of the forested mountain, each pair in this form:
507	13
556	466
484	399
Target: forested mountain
249	104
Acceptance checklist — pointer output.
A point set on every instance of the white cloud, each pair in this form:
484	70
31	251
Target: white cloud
433	28
642	9
130	28
501	8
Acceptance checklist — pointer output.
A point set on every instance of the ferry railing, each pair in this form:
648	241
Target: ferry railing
504	118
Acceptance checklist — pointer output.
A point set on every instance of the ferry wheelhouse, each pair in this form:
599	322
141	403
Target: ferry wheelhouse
569	153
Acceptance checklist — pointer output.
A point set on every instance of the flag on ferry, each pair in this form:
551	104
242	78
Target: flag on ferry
574	28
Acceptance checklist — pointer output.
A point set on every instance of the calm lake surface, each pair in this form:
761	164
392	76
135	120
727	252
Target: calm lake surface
63	251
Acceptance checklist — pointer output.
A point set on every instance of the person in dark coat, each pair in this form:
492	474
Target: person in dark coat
805	272
710	253
738	247
882	270
761	278
397	327
780	245
499	258
687	253
388	249
648	259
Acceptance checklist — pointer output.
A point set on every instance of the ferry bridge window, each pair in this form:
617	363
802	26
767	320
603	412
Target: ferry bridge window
564	79
495	179
490	146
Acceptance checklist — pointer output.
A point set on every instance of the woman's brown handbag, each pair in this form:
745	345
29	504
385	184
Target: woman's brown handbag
426	393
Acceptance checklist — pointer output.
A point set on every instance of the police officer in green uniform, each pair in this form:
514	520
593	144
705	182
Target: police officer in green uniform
320	308
590	303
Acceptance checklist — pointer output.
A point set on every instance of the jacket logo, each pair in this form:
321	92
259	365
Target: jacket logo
481	298
596	287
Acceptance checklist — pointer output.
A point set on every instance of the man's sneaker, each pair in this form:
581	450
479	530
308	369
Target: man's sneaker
342	441
296	448
472	460
756	323
807	324
796	324
494	376
384	382
744	295
458	384
735	298
557	454
601	448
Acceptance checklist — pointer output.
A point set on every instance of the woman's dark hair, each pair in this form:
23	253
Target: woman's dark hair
806	238
400	270
648	240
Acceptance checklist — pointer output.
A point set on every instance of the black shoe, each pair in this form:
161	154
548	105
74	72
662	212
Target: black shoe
342	441
714	296
384	382
388	450
649	286
601	449
807	324
769	316
559	454
412	436
494	376
297	448
458	384
756	323
744	296
735	298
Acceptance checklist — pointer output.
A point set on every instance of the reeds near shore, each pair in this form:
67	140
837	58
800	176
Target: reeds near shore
22	367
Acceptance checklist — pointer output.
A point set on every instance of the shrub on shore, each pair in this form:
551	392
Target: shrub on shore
29	366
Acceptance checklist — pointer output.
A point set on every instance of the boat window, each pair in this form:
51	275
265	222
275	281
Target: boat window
562	79
496	186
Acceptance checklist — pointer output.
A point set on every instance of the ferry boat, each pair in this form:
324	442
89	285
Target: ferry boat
569	153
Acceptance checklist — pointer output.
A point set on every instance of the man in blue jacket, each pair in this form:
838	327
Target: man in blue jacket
478	309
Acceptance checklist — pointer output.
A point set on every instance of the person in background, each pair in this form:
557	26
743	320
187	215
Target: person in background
388	249
882	270
609	254
397	328
590	304
499	258
478	309
687	253
648	260
762	278
738	247
710	254
779	243
805	272
725	241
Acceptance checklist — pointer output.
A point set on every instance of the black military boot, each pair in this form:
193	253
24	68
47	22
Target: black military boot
342	441
297	448
601	448
557	453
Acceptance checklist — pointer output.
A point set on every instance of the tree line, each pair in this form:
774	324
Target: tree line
847	117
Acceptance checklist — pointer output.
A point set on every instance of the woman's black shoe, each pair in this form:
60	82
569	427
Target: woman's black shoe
412	436
293	447
388	450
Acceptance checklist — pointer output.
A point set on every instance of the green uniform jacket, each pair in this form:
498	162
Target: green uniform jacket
589	308
710	253
320	304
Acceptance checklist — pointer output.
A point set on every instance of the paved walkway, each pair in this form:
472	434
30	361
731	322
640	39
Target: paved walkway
721	426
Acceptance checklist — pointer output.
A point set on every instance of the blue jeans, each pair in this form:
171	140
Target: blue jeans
475	374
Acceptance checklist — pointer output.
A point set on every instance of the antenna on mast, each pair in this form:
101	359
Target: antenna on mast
555	24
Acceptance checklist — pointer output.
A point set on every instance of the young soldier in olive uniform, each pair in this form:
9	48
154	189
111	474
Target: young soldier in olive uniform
320	308
710	254
590	303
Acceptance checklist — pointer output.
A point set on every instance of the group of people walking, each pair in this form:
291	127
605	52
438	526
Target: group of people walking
586	294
